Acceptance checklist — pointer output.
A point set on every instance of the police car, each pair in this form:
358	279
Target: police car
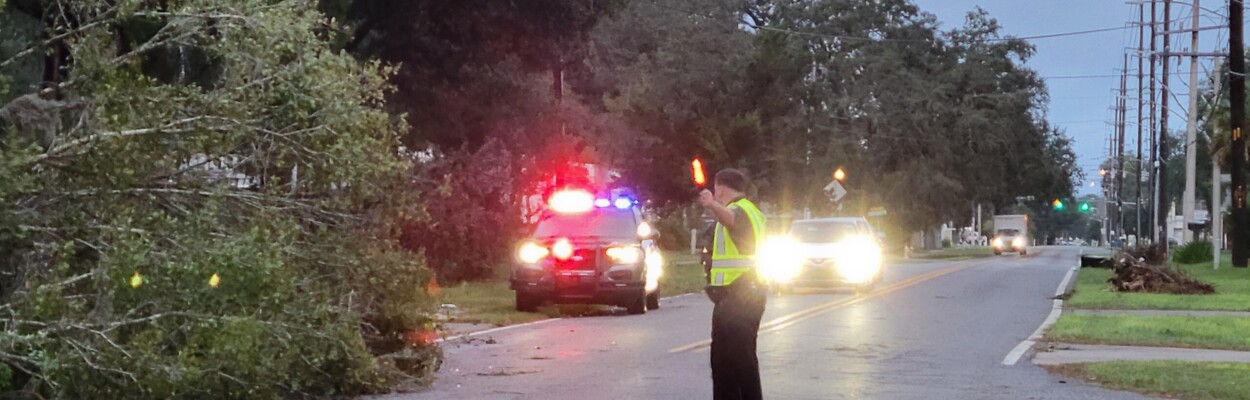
589	248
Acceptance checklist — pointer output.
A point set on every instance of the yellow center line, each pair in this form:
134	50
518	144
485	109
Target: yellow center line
786	320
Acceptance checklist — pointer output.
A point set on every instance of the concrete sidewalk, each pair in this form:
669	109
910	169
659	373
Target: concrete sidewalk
1064	353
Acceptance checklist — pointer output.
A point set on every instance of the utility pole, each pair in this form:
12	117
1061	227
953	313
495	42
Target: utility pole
1118	222
1161	210
1154	130
1191	134
1216	215
1141	42
1237	148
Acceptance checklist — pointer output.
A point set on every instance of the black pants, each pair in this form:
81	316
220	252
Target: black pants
735	325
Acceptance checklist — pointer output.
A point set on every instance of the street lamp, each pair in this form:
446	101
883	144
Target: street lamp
839	175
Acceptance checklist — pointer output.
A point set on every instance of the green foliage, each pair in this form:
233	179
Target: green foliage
1193	252
465	213
6	377
277	174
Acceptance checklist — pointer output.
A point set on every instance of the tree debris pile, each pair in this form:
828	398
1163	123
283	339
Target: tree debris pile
1134	275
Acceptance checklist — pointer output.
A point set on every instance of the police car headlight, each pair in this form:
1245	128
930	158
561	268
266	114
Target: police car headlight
859	260
778	260
625	255
531	253
655	269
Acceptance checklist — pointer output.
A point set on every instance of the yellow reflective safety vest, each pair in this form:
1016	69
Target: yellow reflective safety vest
728	264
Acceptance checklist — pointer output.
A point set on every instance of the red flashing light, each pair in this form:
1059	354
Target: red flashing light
571	201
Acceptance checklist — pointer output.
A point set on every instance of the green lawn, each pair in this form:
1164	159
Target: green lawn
1232	286
1188	380
492	302
1227	333
682	274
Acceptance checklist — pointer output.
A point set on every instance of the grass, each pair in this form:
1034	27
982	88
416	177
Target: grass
954	253
492	302
1232	287
1227	333
682	274
1188	380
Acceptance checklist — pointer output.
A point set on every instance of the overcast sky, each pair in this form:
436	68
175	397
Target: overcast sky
1082	106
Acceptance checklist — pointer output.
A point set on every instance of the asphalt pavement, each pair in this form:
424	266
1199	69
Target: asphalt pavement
935	330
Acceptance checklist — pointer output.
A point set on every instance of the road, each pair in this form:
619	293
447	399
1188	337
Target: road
937	330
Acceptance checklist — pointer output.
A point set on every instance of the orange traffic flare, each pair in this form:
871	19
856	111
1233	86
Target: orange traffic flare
697	167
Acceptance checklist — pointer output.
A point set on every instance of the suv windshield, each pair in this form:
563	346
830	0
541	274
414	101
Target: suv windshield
1008	232
610	223
823	231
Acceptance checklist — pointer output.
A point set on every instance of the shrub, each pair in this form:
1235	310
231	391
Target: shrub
1193	252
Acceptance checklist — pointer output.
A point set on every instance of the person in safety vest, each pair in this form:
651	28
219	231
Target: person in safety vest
734	287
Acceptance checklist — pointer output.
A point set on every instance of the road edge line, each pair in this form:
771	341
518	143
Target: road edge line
493	330
1056	308
507	327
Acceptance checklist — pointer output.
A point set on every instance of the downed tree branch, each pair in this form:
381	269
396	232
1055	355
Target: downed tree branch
1134	275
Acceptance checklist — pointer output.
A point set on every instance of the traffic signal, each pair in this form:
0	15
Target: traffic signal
1084	207
1057	205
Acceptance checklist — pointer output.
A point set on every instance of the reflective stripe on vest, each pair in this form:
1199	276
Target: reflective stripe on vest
727	262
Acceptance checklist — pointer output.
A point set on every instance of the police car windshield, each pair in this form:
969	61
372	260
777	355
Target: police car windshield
609	223
823	231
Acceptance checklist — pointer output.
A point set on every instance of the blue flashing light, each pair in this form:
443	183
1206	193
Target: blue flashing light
602	203
623	203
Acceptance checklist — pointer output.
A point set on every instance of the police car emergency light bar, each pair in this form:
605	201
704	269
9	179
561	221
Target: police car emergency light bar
571	201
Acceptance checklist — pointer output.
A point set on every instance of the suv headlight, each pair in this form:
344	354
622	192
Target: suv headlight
625	255
778	260
530	253
1017	242
859	261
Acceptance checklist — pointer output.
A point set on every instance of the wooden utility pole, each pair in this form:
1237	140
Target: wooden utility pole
1161	205
1141	42
1154	130
1237	147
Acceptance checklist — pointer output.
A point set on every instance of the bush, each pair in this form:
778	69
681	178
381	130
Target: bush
946	243
1193	252
6	377
674	236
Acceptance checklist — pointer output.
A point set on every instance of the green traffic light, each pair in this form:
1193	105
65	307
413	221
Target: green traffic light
1058	205
1084	207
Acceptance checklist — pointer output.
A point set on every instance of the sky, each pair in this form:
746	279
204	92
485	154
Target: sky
1082	107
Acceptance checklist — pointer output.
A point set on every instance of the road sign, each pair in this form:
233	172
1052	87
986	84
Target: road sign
835	191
